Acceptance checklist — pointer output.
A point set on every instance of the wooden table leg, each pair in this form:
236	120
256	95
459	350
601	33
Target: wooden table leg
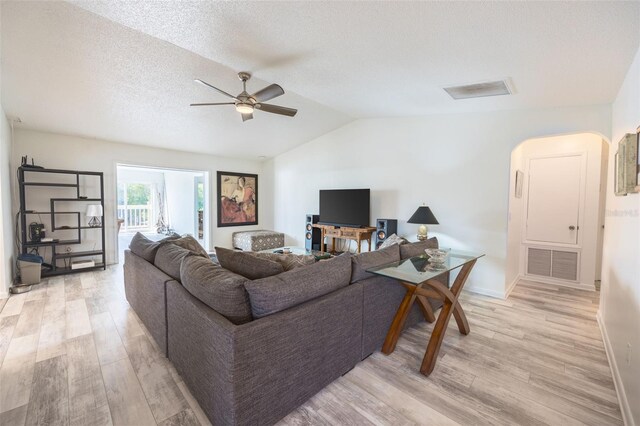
359	241
369	242
426	308
450	306
398	321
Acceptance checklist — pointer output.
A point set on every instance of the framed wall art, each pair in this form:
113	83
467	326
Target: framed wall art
237	199
626	163
519	183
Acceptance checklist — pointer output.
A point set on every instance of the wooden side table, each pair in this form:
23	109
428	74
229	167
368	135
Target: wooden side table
345	233
416	275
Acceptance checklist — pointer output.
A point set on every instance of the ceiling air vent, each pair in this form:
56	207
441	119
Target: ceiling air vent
479	90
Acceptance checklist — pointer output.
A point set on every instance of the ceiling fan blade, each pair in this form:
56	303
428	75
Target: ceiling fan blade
246	117
269	92
275	109
197	80
215	103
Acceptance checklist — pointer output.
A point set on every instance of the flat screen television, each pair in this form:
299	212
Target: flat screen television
345	207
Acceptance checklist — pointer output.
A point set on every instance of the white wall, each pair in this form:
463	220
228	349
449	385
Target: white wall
181	201
620	292
6	214
70	152
591	147
456	163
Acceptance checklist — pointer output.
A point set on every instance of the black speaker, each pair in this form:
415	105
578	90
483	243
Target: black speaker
312	235
384	229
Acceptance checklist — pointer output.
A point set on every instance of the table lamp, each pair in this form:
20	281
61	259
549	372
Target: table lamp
424	217
94	211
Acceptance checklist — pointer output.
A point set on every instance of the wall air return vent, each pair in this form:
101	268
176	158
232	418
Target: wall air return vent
479	90
553	263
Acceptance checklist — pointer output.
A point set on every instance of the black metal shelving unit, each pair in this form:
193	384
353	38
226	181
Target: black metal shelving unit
27	246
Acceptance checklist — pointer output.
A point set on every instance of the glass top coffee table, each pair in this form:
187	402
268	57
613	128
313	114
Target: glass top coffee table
417	276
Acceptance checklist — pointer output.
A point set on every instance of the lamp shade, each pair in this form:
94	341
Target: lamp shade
94	210
423	216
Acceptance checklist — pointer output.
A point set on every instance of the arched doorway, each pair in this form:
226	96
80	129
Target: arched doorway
556	210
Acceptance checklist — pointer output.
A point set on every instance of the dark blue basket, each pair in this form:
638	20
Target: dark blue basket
32	258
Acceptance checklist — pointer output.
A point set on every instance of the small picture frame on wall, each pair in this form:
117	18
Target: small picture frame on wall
638	159
237	199
519	183
626	165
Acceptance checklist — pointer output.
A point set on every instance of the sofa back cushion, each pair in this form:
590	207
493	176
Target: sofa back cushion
417	248
364	261
247	265
218	288
145	248
191	244
279	292
168	259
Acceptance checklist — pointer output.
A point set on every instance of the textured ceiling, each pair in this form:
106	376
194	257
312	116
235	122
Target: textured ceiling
70	71
393	58
129	77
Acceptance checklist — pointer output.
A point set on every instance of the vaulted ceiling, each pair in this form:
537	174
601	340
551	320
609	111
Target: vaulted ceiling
124	71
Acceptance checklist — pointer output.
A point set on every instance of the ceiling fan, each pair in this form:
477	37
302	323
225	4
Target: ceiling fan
245	103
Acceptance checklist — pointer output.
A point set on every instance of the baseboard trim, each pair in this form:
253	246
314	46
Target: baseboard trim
512	286
486	292
4	295
625	409
546	280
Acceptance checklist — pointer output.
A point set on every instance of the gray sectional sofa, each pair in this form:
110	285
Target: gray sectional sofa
251	351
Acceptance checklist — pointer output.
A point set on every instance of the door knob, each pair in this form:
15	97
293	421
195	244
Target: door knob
572	228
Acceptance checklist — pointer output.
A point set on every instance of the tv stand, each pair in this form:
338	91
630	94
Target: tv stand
344	233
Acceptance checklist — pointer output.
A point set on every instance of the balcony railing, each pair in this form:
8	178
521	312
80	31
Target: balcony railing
136	218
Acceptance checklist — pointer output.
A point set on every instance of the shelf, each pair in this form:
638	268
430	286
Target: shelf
60	171
32	212
76	199
61	185
74	234
67	270
70	228
79	254
51	243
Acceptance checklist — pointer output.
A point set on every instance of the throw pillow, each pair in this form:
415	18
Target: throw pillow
391	240
168	259
292	288
191	244
364	261
220	289
145	248
247	265
417	248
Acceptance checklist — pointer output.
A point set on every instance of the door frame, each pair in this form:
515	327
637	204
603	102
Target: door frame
207	198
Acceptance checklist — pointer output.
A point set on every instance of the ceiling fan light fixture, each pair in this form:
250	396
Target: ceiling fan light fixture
243	108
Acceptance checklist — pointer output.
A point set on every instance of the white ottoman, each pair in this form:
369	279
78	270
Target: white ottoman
257	240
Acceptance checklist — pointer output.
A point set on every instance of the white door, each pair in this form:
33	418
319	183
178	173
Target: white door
554	199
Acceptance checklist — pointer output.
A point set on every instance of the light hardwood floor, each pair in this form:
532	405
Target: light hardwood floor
73	352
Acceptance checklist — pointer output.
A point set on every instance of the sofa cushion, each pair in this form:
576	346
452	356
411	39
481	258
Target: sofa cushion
169	257
247	265
145	248
288	261
279	292
191	244
417	248
364	261
218	288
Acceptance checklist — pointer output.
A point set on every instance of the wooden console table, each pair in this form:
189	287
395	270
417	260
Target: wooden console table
345	233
